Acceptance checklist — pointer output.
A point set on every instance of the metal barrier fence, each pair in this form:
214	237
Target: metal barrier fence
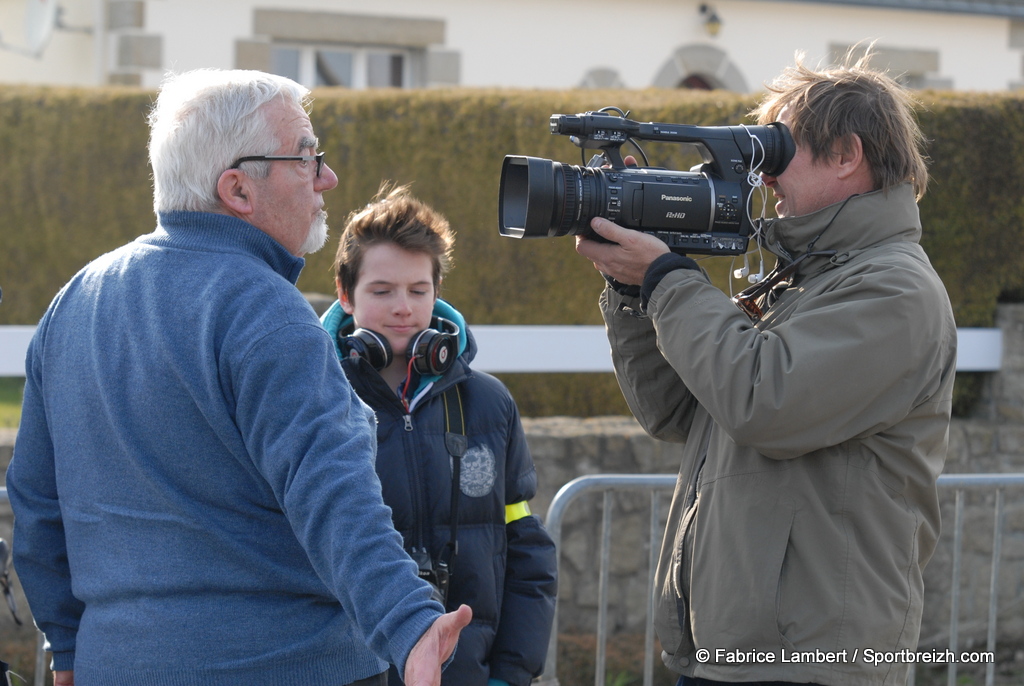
609	484
41	667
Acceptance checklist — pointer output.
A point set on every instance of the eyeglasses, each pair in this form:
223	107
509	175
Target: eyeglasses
757	299
319	158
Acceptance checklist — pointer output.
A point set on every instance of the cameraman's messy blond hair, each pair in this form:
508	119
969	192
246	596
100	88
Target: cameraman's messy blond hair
827	106
394	216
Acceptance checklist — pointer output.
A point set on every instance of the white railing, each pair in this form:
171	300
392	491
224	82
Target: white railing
585	349
512	349
13	346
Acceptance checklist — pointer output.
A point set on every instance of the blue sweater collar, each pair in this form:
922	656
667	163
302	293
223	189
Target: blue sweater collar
223	233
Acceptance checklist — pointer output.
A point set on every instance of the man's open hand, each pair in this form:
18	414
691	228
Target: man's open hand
423	667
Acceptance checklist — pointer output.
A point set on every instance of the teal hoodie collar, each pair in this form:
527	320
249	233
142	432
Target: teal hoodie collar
336	319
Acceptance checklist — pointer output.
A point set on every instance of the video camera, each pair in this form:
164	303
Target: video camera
703	211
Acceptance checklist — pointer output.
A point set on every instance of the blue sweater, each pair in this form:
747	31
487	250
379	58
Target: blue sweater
193	480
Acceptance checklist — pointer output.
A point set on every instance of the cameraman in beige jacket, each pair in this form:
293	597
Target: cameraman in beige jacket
815	418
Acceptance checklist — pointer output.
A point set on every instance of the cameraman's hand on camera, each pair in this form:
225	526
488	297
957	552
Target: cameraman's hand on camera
423	667
627	257
630	253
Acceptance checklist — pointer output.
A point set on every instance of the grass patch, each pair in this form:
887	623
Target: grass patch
11	388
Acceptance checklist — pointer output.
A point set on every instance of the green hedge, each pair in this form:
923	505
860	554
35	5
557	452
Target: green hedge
74	183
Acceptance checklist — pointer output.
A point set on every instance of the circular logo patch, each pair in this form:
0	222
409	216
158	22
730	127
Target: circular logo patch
478	472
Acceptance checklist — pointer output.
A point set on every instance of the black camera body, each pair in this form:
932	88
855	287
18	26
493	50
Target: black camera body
434	572
702	211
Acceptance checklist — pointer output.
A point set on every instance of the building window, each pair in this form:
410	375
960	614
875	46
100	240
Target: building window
699	67
333	68
385	70
695	82
348	67
349	50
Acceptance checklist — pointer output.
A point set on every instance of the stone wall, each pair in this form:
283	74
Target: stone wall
565	448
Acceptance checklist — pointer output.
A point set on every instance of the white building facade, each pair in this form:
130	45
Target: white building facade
736	45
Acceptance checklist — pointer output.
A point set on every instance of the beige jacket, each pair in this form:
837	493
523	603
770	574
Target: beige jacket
806	505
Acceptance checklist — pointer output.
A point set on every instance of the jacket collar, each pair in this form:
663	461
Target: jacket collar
335	320
849	226
222	233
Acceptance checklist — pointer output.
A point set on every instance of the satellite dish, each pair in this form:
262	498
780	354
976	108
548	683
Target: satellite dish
40	20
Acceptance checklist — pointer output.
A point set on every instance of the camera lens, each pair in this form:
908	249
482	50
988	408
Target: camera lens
526	203
541	198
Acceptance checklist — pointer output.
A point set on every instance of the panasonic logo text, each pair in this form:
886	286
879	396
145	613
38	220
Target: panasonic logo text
677	198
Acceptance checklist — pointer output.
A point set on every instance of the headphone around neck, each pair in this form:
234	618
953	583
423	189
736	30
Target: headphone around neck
433	351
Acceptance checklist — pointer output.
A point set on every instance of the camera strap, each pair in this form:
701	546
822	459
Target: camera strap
457	443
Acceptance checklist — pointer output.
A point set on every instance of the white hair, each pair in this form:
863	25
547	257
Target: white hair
202	122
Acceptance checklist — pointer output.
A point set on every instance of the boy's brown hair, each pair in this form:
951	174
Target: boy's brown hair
394	216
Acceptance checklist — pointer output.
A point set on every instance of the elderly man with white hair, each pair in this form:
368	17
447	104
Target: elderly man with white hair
193	480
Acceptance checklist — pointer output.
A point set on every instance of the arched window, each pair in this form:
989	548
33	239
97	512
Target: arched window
700	66
695	82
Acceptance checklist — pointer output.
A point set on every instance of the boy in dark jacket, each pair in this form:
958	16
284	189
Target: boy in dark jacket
444	429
